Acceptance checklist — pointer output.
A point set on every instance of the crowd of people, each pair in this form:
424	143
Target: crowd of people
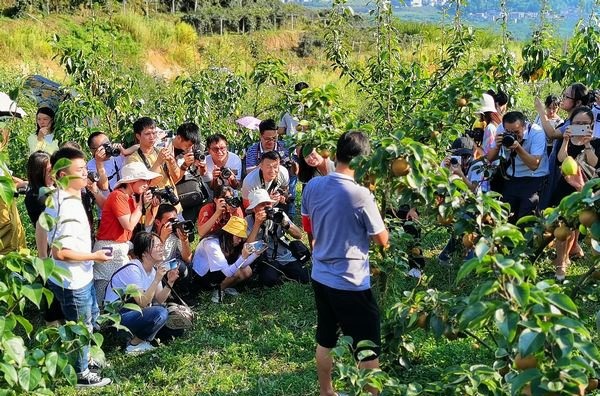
526	157
137	209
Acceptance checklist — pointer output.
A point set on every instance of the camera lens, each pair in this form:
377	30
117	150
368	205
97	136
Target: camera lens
453	161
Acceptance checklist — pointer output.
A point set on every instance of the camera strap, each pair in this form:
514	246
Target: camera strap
116	173
145	160
274	183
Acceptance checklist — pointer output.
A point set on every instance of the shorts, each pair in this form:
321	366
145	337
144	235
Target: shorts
354	312
210	280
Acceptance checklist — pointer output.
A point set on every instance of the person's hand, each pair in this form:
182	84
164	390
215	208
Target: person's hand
161	270
172	276
586	139
220	206
155	201
245	251
457	170
259	217
100	154
216	172
598	97
102	255
515	145
43	132
183	237
188	158
166	230
148	196
412	215
498	140
165	155
446	162
567	134
539	106
577	180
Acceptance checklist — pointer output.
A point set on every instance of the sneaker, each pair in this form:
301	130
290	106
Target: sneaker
415	273
91	379
231	291
142	347
94	365
217	296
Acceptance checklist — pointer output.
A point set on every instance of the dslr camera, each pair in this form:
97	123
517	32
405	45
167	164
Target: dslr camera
93	176
476	134
592	96
234	202
226	173
187	226
199	155
287	163
166	194
110	150
508	139
275	214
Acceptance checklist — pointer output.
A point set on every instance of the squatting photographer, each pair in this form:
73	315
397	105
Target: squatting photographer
214	215
271	225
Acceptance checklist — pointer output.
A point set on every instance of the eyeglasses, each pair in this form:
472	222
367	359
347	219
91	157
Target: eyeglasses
219	149
565	96
158	246
272	139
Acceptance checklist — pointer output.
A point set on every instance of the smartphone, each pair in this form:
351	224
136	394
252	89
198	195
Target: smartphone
109	250
580	130
170	264
255	246
166	142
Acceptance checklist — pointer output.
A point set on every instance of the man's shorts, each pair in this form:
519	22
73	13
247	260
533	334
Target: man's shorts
354	312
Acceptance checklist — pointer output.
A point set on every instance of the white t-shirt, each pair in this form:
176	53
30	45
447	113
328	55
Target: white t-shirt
290	123
132	273
210	257
253	181
72	230
234	163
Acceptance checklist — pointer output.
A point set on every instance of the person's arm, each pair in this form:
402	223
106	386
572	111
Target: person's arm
146	299
494	150
163	293
531	161
64	254
41	240
549	130
562	151
259	219
100	157
130	219
217	260
125	152
184	249
291	228
381	238
204	228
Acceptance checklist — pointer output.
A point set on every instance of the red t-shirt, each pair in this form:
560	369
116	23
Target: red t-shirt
117	204
208	211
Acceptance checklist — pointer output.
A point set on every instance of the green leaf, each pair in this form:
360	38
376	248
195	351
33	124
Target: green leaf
507	323
50	363
33	293
482	248
10	373
467	268
15	349
27	326
520	293
29	378
563	302
44	267
524	378
7	190
530	342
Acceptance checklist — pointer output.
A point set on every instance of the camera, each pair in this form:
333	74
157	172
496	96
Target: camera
166	194
21	191
455	160
287	163
275	214
234	202
226	173
110	150
592	96
199	155
476	134
187	226
93	176
508	139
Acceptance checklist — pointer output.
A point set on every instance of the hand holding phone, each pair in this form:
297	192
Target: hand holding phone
580	130
109	250
170	264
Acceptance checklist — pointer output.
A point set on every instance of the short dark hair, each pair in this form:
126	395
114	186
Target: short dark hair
500	97
215	138
69	153
513	116
552	100
580	92
92	137
164	208
72	144
221	190
267	125
189	131
270	155
300	86
142	123
143	242
350	145
582	109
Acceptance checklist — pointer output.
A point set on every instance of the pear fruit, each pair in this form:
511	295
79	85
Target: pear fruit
569	167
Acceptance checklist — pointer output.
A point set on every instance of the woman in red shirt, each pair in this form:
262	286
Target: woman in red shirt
122	211
214	215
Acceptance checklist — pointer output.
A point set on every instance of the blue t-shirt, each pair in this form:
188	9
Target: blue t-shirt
344	216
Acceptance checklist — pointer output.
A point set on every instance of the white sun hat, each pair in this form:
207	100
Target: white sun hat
135	171
257	197
487	104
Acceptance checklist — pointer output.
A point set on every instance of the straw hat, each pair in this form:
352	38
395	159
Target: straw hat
135	171
258	196
487	104
237	226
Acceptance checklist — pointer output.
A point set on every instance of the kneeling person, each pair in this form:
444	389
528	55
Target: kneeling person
270	225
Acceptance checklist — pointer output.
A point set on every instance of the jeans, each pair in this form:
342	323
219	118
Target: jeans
78	304
291	209
146	324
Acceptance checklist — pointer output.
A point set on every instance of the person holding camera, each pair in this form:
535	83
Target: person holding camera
222	260
268	142
270	176
174	235
271	224
340	271
221	165
523	146
146	272
109	159
214	215
122	211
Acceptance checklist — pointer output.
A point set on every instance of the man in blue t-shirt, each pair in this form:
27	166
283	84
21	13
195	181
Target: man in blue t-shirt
343	218
524	147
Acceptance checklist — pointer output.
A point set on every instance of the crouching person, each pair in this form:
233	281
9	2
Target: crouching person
271	225
146	272
222	260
